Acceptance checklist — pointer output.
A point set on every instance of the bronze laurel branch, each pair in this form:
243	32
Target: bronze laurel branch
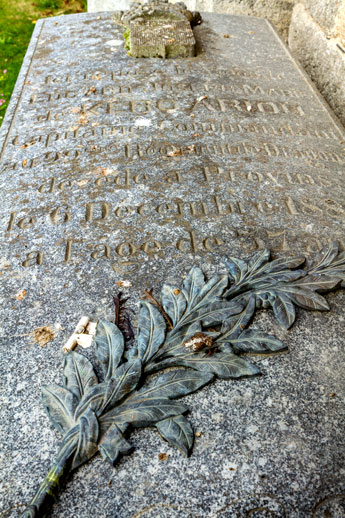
200	329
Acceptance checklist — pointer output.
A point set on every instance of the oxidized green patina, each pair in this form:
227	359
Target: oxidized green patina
202	327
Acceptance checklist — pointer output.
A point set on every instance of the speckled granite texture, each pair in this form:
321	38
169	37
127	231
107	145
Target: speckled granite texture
119	169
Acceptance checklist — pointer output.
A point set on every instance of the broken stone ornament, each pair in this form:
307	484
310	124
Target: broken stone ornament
159	29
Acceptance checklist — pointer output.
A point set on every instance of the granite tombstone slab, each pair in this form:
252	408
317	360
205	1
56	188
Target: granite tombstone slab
117	169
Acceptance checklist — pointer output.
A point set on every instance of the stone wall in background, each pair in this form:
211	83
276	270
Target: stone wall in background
317	38
277	11
330	15
314	29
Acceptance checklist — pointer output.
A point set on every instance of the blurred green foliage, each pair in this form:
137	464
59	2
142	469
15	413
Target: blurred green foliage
17	21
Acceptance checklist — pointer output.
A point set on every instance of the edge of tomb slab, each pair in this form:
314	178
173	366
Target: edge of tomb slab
6	126
334	119
17	93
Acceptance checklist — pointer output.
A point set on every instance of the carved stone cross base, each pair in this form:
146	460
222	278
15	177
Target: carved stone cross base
151	39
159	30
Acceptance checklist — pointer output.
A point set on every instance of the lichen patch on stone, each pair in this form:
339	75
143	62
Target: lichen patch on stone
43	335
21	295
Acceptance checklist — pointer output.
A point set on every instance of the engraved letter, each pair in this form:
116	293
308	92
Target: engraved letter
189	244
101	251
140	106
48	186
249	90
123	180
11	222
269	107
254	176
212	242
125	249
33	259
172	177
104	208
151	247
123	211
68	250
60	215
165	104
26	222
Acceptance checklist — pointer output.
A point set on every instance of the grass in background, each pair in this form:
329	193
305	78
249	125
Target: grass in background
17	21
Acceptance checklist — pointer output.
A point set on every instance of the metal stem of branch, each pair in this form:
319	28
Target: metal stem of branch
40	505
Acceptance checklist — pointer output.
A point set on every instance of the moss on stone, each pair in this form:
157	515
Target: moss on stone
127	38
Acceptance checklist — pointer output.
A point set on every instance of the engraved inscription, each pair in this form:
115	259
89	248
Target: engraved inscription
136	150
121	107
113	150
204	128
215	208
192	242
330	507
207	175
171	69
116	170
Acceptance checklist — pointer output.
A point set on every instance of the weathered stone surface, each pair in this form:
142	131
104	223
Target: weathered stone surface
94	6
118	169
329	14
277	11
155	41
321	57
159	29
